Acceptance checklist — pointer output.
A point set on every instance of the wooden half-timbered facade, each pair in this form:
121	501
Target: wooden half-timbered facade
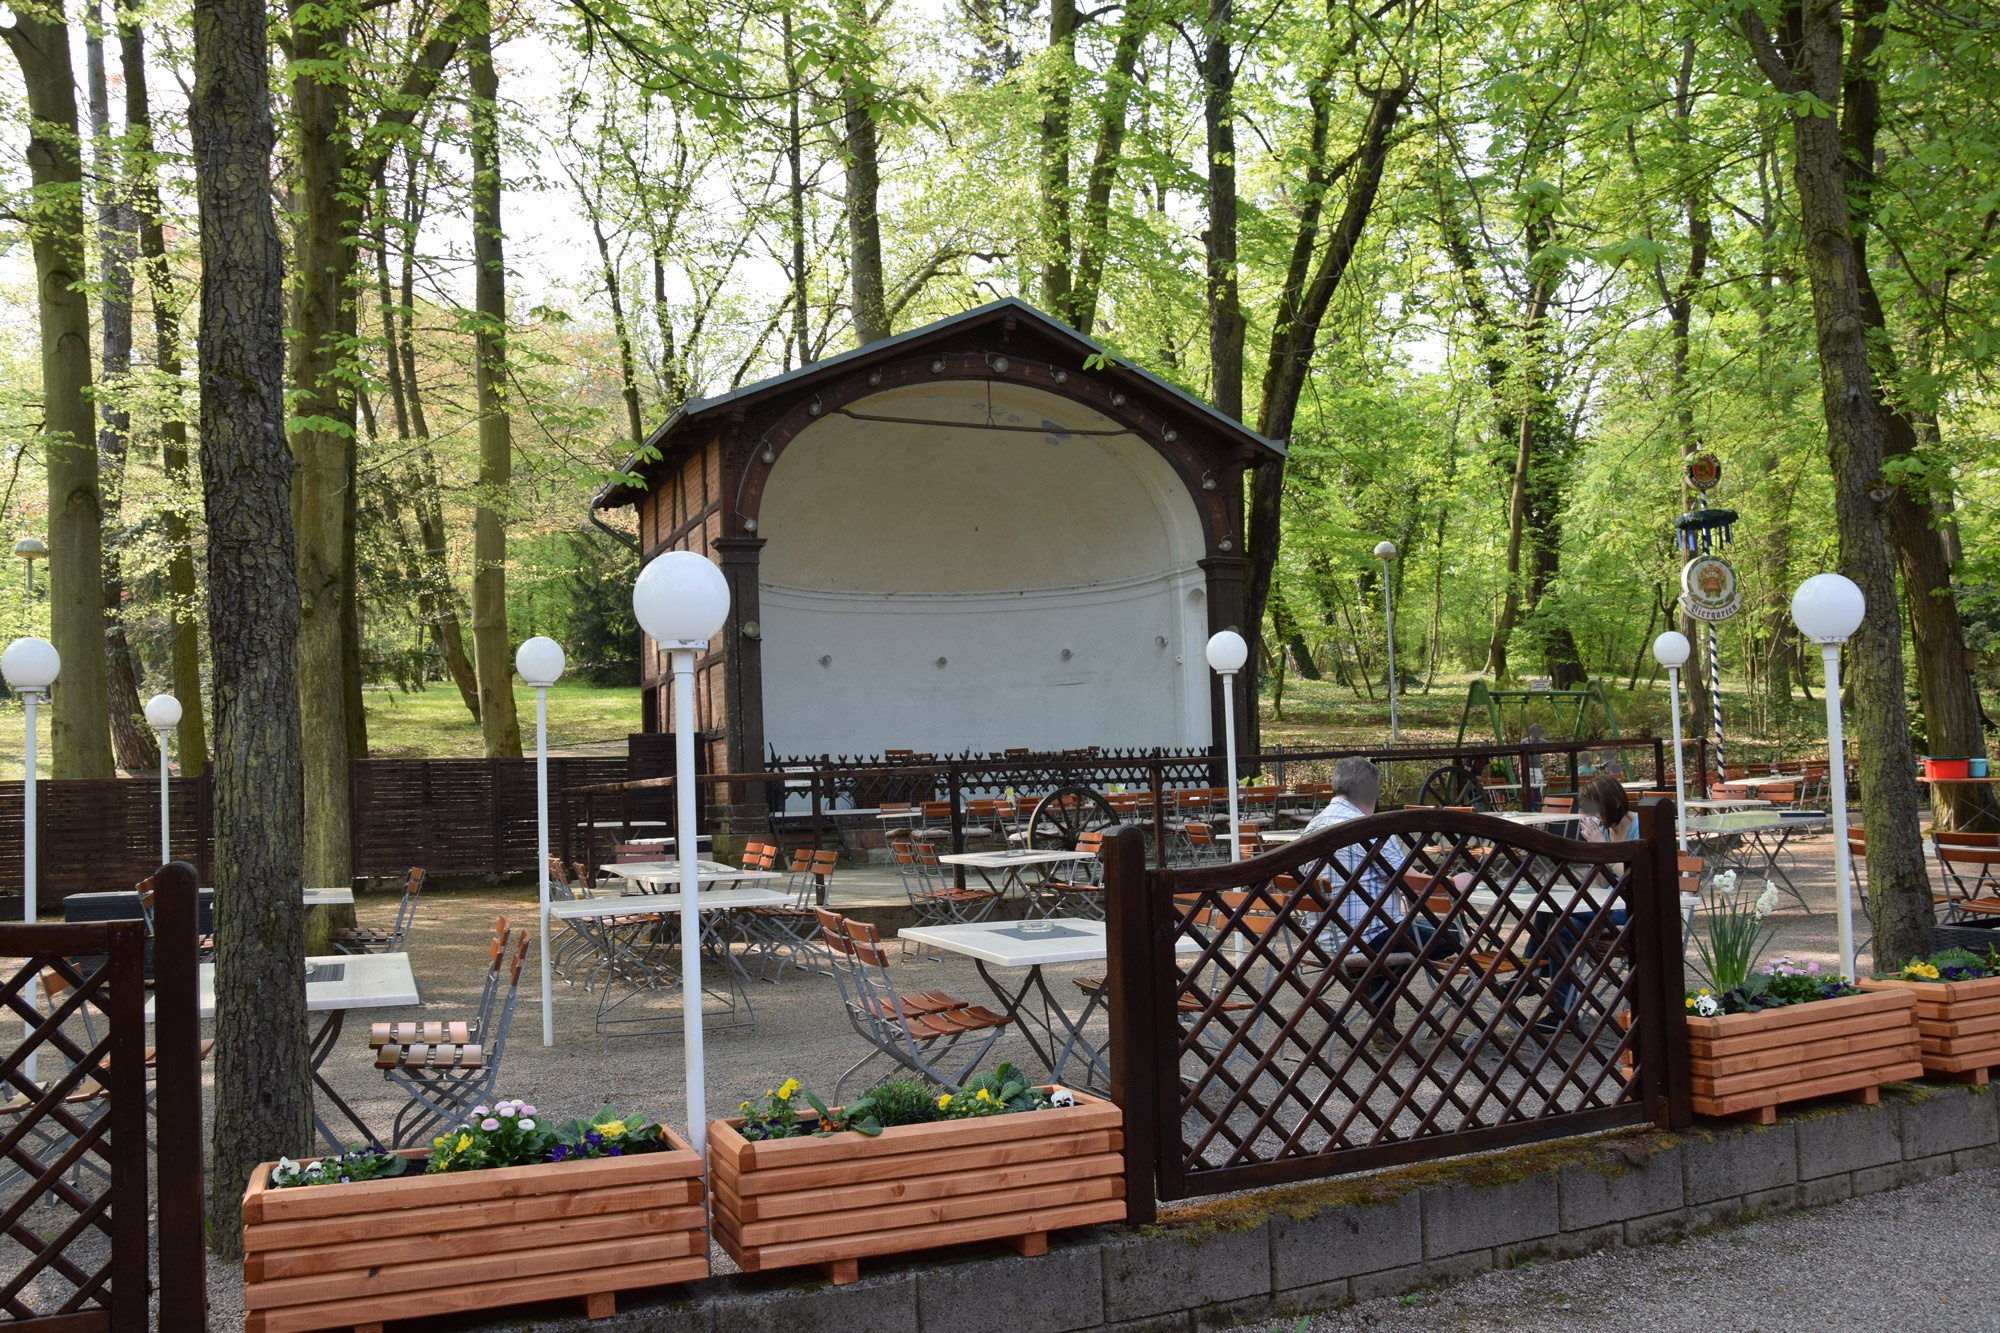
980	534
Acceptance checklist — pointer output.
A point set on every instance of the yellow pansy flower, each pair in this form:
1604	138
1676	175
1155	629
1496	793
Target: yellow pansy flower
985	1096
613	1130
464	1142
944	1100
785	1090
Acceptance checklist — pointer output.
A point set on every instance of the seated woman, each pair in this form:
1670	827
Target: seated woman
1607	816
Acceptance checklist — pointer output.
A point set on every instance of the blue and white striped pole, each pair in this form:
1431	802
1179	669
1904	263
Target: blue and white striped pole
1715	696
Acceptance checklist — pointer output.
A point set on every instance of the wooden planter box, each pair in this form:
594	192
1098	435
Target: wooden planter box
832	1201
1747	1064
1959	1023
333	1256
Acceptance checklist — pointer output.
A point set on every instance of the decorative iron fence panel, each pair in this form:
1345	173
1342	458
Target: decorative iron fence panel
1407	986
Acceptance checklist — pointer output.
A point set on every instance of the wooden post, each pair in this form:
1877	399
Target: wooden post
1128	982
1155	775
1660	1004
954	776
177	1039
123	1075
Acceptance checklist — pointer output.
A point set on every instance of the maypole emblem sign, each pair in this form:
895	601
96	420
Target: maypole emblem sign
1708	589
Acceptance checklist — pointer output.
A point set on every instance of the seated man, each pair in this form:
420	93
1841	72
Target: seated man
1357	786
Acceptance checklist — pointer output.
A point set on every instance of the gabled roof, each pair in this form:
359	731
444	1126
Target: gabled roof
993	312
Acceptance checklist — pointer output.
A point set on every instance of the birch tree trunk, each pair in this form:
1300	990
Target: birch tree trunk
491	653
861	150
81	734
263	1080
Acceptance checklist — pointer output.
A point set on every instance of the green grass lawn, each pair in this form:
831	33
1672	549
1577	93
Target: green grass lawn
435	724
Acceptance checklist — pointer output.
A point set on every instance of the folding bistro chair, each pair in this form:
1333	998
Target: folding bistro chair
791	934
379	939
950	904
928	1033
1969	864
458	1031
445	1080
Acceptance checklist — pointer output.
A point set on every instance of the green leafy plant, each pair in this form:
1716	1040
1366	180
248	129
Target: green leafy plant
1001	1092
356	1164
607	1134
902	1101
1948	965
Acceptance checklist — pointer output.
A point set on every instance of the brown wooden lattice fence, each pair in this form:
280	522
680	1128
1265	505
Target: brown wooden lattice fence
1407	986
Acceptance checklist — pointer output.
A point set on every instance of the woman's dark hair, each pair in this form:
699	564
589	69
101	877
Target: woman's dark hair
1605	797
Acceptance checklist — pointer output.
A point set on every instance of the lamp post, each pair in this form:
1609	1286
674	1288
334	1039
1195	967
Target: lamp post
1671	651
163	714
1385	552
30	666
1227	652
540	662
31	549
682	600
1828	608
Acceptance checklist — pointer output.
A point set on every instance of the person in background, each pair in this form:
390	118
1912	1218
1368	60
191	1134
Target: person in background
1536	782
1357	786
1606	815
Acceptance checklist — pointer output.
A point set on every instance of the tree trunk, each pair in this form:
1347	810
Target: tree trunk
491	655
1899	897
78	723
322	328
263	1081
1225	307
628	364
1944	685
1058	91
864	183
441	609
193	733
1096	238
132	743
794	146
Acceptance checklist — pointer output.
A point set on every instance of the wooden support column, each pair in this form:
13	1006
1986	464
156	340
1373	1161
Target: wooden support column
1226	577
742	657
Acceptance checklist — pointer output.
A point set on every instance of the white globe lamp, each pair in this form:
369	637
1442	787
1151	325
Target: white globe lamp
1227	652
540	663
682	601
1828	608
163	714
30	665
1671	651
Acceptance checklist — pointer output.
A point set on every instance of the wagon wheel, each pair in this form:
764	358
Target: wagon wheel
1065	815
1452	785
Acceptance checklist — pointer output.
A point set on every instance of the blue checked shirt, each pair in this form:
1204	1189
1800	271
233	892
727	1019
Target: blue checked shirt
1375	883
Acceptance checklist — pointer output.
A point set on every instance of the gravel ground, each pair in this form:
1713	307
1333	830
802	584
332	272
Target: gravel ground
1920	1257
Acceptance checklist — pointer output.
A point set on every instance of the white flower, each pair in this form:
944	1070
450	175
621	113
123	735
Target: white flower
479	1110
527	1123
1707	1007
1767	901
505	1108
1061	1097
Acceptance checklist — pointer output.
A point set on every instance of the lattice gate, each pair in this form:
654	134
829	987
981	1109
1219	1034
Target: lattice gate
75	1123
1399	988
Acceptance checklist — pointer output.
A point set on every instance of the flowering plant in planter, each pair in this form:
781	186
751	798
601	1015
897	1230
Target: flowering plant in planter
1782	981
509	1134
357	1163
1949	965
899	1101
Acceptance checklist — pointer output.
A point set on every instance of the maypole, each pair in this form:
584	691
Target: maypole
1709	590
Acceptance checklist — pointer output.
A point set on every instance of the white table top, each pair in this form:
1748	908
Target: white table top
1538	818
1001	860
1754	821
353	981
329	897
706	872
1737	803
1016	944
705	900
1773	780
1282	835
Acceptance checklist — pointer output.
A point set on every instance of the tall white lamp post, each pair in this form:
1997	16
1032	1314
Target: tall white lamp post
1385	552
540	662
30	666
682	600
163	714
1227	652
1828	608
1671	651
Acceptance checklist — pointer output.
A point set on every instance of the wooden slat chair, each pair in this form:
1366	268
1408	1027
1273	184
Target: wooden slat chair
628	853
54	987
453	1031
1203	846
1969	864
1077	889
379	939
782	935
1560	805
954	906
445	1080
927	1032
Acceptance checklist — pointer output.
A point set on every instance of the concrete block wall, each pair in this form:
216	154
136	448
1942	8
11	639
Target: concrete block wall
1284	1252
